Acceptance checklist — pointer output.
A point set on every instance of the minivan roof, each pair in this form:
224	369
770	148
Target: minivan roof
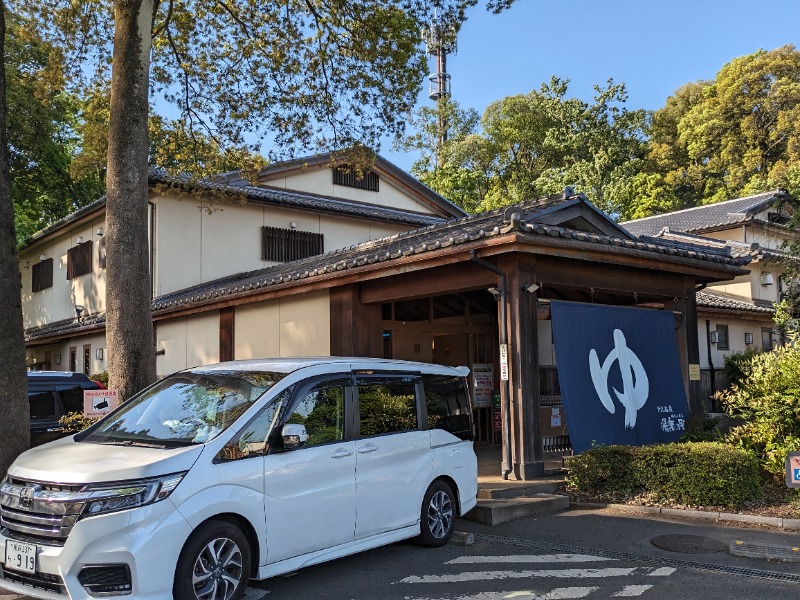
288	365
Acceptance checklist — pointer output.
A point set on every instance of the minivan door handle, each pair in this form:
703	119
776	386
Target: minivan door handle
367	448
341	453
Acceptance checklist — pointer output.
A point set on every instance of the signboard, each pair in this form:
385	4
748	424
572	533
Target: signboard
504	362
694	372
620	374
98	403
483	378
498	416
793	470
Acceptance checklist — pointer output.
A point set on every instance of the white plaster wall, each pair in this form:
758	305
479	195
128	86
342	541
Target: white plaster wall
187	342
320	181
178	247
37	355
58	302
736	330
289	326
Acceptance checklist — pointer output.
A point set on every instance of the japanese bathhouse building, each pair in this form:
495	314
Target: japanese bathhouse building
315	260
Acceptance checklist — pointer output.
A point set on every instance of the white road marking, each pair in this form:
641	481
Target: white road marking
632	590
662	572
566	593
487	575
528	558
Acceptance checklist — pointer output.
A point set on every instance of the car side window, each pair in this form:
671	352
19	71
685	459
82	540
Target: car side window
71	397
42	405
386	404
322	410
447	403
253	439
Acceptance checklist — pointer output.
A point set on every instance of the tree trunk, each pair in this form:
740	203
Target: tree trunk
129	322
14	415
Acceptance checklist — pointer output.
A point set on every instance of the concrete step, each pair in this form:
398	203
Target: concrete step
494	512
506	491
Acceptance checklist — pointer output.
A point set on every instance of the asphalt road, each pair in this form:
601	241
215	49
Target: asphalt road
578	554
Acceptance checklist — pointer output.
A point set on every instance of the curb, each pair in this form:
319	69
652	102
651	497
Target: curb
693	514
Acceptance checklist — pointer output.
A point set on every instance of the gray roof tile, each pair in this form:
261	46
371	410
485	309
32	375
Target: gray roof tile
709	216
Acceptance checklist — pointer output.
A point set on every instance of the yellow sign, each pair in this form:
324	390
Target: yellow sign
694	372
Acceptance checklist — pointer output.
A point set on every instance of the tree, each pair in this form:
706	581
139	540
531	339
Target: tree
532	145
13	380
41	134
716	140
301	73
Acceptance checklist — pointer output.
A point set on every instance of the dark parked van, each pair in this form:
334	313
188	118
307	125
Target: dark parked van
51	395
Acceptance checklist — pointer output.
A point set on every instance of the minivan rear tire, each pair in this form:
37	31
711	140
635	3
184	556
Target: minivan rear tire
437	518
214	564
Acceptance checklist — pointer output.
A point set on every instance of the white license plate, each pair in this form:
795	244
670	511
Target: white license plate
20	556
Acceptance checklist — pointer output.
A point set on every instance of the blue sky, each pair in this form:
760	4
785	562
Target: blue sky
653	46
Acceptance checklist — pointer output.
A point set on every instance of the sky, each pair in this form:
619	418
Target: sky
653	46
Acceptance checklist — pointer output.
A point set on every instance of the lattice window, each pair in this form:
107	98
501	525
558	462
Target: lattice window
79	260
348	176
42	275
283	245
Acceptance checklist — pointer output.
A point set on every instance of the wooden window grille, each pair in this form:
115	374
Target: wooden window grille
349	177
42	274
79	260
283	245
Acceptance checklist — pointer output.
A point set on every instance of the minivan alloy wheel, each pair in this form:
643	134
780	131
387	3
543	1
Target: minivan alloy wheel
440	514
218	570
214	563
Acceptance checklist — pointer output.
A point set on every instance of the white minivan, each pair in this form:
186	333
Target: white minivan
242	470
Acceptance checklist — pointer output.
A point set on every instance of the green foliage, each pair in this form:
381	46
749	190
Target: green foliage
768	400
698	474
737	365
75	421
702	429
715	140
530	145
101	377
42	136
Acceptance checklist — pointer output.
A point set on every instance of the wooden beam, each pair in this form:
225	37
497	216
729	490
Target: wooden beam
227	343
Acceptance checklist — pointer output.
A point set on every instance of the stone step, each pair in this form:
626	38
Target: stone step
494	512
506	491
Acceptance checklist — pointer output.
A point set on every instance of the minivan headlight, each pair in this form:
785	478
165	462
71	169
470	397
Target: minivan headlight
105	498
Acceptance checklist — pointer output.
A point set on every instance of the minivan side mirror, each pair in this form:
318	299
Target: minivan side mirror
294	436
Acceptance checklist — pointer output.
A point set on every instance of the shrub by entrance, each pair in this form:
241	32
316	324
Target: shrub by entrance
697	474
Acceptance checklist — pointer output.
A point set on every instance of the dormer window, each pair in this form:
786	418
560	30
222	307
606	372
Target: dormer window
362	180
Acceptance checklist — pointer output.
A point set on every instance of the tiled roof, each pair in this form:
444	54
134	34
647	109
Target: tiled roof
519	219
262	195
737	249
710	216
709	298
428	239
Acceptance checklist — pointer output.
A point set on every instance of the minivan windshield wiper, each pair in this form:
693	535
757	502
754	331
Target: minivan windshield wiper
161	444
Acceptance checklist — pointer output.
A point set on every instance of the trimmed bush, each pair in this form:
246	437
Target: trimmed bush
697	474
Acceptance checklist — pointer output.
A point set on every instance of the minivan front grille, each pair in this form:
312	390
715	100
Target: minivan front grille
35	512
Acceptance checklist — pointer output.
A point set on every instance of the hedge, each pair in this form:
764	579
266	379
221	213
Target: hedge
697	474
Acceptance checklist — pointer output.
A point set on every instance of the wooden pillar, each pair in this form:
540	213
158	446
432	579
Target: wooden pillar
227	343
697	404
523	362
355	327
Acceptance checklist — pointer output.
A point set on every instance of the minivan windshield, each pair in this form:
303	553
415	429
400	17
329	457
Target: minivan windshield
183	409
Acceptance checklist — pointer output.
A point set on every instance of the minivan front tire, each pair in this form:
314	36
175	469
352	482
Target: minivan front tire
214	564
437	518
